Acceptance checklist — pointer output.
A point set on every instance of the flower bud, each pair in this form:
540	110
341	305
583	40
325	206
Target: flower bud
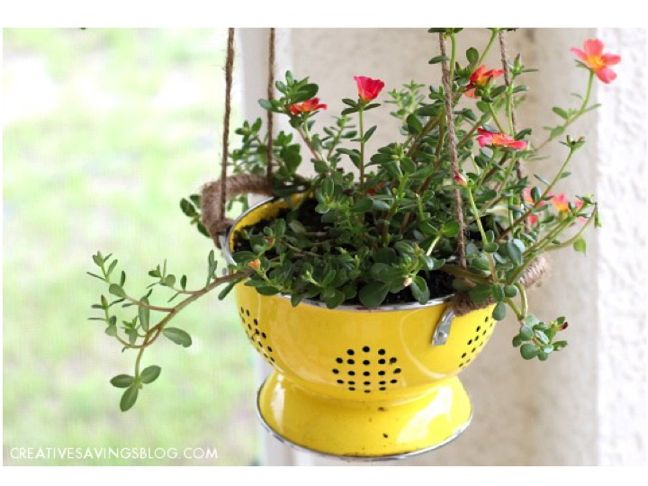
407	282
255	264
459	179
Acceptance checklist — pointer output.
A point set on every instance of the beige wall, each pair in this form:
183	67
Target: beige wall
585	405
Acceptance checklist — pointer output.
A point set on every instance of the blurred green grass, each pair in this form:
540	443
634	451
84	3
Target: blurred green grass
130	126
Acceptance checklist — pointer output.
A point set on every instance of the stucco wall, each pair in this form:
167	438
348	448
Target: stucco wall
585	405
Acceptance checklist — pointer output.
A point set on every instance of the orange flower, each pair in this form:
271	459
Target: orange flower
560	203
497	139
255	264
597	62
480	78
307	106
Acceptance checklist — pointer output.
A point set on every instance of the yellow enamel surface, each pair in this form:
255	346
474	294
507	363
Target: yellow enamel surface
359	382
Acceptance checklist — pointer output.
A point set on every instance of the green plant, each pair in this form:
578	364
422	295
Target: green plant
388	226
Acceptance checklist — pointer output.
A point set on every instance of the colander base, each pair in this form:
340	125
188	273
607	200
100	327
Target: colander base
369	430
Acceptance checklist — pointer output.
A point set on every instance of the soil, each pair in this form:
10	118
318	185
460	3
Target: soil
439	283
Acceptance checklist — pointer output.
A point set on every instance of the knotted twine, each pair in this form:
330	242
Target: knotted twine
214	195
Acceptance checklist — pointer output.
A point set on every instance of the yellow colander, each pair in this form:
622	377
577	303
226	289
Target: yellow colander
358	383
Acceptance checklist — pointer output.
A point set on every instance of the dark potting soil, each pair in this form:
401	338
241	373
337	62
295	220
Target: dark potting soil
439	283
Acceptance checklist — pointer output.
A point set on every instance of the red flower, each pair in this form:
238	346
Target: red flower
497	139
593	57
368	89
480	78
307	106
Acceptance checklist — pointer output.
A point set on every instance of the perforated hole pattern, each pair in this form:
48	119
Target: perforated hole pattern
351	370
476	342
257	335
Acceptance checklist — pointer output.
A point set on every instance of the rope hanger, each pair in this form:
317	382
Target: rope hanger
216	194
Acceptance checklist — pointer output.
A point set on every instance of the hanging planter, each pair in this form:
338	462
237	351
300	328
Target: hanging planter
368	290
355	382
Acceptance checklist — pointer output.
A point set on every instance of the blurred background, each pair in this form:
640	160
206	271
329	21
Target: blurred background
105	131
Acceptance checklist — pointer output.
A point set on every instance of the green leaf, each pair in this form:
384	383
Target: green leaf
510	291
560	112
414	125
369	133
122	381
116	290
144	314
498	293
580	245
129	398
499	312
228	288
529	351
187	208
362	206
373	294
438	59
332	297
450	229
178	336
480	293
266	104
514	252
472	55
150	374
420	289
526	332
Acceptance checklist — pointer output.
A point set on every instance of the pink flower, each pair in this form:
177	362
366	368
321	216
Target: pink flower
593	57
578	204
497	139
368	89
307	106
480	78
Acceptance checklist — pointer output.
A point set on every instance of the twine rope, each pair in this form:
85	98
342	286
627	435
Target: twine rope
534	274
452	146
229	65
507	81
214	195
269	117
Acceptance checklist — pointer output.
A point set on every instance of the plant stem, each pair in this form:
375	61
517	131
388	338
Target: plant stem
524	301
154	332
362	144
495	119
488	46
475	211
542	197
571	240
583	108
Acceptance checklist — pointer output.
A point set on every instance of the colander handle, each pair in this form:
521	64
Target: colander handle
442	330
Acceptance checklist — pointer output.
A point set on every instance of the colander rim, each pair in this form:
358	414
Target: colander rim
227	255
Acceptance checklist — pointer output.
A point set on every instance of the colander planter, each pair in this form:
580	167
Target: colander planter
355	382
